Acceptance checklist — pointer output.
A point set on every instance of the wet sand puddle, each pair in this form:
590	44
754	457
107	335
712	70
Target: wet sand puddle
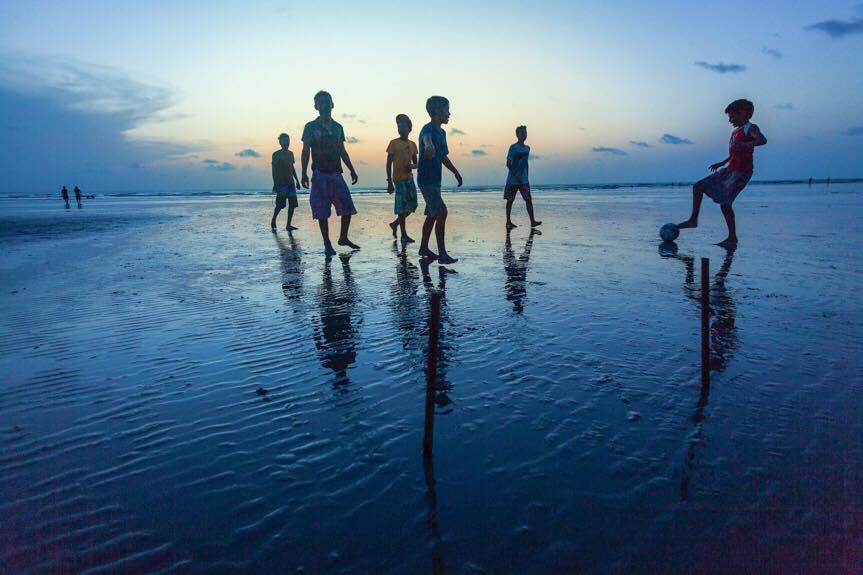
184	391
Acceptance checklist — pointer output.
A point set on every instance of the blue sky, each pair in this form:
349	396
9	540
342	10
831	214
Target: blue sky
165	96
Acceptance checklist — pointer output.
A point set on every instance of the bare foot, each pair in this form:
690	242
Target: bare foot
328	249
393	227
728	243
349	243
535	223
427	253
446	259
407	239
291	228
510	225
273	226
690	223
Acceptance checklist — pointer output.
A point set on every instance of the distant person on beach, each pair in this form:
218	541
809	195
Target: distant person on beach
727	182
433	153
324	141
285	181
401	160
78	195
64	193
517	179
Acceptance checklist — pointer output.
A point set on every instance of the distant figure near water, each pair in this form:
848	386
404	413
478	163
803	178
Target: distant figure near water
64	193
434	153
727	182
401	160
78	195
517	179
324	141
285	181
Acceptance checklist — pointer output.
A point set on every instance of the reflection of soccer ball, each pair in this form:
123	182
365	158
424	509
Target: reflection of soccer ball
669	232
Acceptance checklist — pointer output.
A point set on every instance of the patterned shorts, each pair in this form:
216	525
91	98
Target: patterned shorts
510	189
286	194
406	197
433	199
723	186
330	190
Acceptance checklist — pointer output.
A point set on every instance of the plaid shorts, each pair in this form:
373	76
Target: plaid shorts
723	186
330	190
406	197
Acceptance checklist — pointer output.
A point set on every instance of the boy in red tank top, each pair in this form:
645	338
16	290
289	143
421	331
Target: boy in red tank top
726	182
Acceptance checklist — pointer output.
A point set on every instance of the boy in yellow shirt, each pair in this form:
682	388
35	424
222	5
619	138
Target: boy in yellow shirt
401	160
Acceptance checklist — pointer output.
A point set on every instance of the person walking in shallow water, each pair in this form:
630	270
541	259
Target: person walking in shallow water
401	160
517	179
324	141
64	193
78	195
285	182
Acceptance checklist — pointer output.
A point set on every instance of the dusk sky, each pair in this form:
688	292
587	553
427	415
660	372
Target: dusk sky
192	95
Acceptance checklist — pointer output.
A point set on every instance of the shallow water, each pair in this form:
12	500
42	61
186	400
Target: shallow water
183	391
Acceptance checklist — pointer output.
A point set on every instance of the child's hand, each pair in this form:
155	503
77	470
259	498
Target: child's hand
354	177
458	179
429	151
390	187
305	180
716	166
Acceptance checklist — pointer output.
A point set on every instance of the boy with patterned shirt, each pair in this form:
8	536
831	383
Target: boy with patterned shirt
285	181
517	178
401	160
324	141
727	182
433	153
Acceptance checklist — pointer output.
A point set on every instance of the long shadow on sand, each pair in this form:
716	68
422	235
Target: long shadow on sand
516	270
723	341
335	334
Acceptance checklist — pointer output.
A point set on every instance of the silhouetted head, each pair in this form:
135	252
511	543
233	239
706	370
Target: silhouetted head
404	125
284	141
438	109
739	112
521	134
324	103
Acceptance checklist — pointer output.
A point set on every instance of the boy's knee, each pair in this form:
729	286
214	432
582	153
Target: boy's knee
698	188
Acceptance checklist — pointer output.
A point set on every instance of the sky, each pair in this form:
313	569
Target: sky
122	96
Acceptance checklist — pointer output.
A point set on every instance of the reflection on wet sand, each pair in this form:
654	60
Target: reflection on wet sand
290	253
723	341
408	311
445	348
335	334
516	270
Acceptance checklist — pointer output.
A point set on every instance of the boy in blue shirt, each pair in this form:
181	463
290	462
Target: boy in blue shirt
517	178
433	153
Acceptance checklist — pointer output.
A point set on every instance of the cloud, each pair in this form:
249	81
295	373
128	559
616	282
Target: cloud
671	139
854	131
216	166
639	143
352	140
248	153
478	153
348	116
772	52
721	68
486	146
838	28
786	106
455	132
611	151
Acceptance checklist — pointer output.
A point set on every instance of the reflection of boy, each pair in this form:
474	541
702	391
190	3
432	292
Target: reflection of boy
285	181
324	141
727	182
401	160
517	178
433	153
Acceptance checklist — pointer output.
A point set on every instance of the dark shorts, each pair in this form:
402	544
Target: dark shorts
286	194
723	186
330	190
434	201
510	189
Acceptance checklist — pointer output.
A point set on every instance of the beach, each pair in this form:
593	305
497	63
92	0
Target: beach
185	391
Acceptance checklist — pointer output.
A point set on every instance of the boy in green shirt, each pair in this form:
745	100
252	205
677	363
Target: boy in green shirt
285	181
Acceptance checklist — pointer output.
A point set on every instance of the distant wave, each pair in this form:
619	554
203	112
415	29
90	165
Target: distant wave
363	191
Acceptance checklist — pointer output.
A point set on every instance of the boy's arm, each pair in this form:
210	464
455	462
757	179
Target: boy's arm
294	173
756	133
429	146
347	160
446	162
390	187
275	175
305	164
414	162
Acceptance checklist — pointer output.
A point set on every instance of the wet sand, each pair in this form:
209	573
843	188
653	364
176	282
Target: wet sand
183	391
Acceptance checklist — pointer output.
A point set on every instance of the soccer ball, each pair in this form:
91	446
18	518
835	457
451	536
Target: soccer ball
669	232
